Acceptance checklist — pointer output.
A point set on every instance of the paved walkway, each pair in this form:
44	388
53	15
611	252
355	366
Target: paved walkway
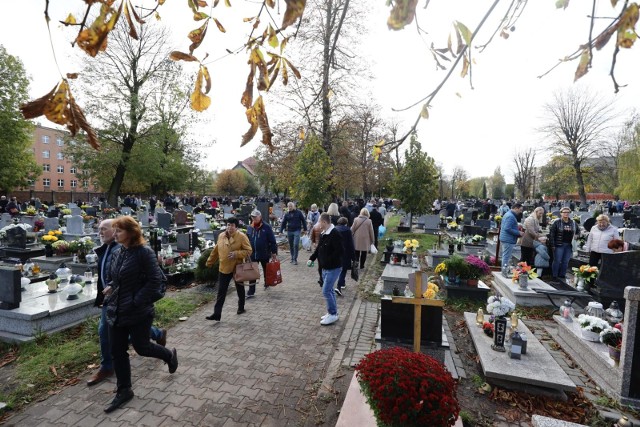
263	368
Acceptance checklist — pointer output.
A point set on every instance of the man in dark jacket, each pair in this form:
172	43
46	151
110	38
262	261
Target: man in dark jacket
110	247
376	221
263	245
349	253
293	221
329	253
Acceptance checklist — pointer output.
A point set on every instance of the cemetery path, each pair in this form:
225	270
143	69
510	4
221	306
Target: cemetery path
275	365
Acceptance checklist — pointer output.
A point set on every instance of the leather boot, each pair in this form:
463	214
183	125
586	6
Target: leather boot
99	376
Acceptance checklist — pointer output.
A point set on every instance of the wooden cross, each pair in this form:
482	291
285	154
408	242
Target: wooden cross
417	302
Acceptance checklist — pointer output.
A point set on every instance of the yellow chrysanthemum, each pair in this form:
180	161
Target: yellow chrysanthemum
429	294
441	268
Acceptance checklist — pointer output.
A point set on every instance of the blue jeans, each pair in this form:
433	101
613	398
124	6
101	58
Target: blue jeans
294	243
507	251
342	278
329	278
561	259
106	362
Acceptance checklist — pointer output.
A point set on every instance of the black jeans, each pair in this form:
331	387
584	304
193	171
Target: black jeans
252	286
362	256
594	259
527	255
140	339
223	285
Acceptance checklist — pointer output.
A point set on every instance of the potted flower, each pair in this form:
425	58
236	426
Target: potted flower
591	326
389	244
432	291
476	268
410	246
408	389
453	226
498	220
61	247
499	306
612	337
522	273
585	275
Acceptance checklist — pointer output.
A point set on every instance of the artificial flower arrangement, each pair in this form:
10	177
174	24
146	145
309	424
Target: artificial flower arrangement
404	388
215	225
498	219
432	291
461	218
38	223
50	237
441	268
592	323
473	240
411	245
488	328
612	337
65	211
524	268
84	244
31	210
452	225
476	268
498	305
586	272
61	246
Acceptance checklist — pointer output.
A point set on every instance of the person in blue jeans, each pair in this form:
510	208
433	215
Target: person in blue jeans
510	233
105	252
294	222
562	232
329	254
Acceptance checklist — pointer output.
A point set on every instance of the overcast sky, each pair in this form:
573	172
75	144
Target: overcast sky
477	129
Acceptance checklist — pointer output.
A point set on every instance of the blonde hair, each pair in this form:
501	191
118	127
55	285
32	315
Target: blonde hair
364	212
333	210
603	217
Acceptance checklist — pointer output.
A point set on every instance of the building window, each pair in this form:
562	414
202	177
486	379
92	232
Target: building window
59	141
60	169
73	169
46	182
60	156
85	183
60	183
46	154
32	182
46	168
74	183
45	139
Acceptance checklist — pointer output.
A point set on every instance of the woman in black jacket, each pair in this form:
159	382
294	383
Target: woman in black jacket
134	283
349	253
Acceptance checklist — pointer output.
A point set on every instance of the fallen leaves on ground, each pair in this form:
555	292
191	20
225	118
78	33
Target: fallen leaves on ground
9	357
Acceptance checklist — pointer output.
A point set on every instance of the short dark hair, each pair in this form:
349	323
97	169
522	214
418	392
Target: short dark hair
516	205
343	221
233	220
325	217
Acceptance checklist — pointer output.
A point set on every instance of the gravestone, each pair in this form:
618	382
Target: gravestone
160	210
631	235
432	223
72	205
92	211
16	238
227	209
235	204
395	275
484	223
263	207
182	241
125	210
143	216
164	220
472	230
10	290
180	217
188	208
51	224
557	214
76	211
590	222
53	213
29	220
617	271
630	357
201	222
617	221
5	220
584	217
75	225
421	222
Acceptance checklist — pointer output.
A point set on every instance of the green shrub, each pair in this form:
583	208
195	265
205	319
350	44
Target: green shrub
204	273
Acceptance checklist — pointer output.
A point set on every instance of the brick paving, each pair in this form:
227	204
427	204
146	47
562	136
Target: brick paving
261	368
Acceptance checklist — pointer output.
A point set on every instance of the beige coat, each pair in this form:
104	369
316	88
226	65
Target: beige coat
238	243
363	235
532	231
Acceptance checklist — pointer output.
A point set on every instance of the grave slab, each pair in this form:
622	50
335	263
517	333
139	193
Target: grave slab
527	298
395	275
473	293
537	370
436	257
540	421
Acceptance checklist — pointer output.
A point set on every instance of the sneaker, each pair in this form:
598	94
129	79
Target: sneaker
295	262
330	319
338	291
325	316
250	296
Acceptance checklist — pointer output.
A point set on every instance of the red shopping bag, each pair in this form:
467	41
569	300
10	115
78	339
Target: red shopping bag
273	275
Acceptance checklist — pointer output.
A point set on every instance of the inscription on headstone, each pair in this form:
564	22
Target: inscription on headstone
499	334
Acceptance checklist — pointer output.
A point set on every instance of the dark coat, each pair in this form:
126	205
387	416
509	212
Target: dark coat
101	251
376	219
263	242
137	283
329	251
347	245
557	228
293	221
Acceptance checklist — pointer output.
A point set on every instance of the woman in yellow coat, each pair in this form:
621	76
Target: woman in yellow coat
232	248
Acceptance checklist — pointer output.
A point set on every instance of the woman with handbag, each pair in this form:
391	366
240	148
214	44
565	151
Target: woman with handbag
363	238
232	248
134	283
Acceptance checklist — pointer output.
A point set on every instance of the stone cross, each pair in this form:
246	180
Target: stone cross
417	301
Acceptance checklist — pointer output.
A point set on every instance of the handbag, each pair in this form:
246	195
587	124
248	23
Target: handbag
273	274
373	249
246	271
354	271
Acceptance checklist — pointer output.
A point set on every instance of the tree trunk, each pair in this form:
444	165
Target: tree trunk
326	65
580	180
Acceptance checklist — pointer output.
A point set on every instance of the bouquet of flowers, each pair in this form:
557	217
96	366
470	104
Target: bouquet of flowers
473	240
408	389
499	306
61	246
523	268
476	267
488	328
585	272
592	323
51	237
498	219
31	210
452	225
431	292
612	337
411	245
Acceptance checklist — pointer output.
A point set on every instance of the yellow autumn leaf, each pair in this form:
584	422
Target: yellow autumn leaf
293	12
425	111
199	101
402	14
583	66
70	20
301	134
273	38
464	32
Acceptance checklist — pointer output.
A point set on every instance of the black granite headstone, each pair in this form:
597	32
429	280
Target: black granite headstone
182	242
91	211
16	238
263	207
10	290
397	322
53	213
616	273
472	230
499	333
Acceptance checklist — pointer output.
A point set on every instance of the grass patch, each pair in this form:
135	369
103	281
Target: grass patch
477	380
50	362
467	418
461	305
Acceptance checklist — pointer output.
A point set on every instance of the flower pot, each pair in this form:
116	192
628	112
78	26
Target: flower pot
48	251
472	282
614	353
589	335
452	249
580	284
523	281
389	248
459	247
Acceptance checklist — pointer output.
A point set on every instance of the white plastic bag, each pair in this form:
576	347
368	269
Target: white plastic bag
373	249
306	242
